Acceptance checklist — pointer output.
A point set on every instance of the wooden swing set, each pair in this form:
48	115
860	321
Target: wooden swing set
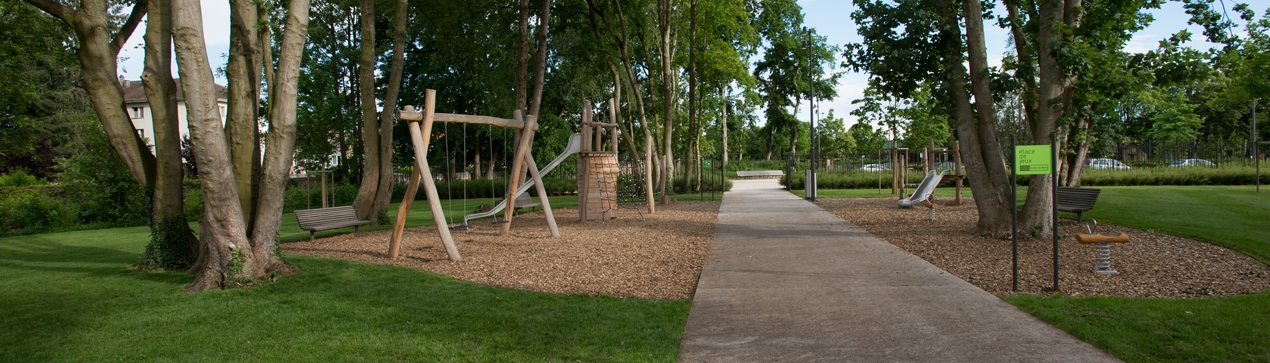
420	135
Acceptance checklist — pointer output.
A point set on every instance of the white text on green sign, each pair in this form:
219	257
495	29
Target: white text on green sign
1033	159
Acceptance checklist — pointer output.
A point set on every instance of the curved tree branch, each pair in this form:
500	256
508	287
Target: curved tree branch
52	7
138	12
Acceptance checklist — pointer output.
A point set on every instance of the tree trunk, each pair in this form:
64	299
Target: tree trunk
627	130
1026	72
637	96
693	101
383	195
540	58
97	53
280	143
228	256
227	252
172	244
982	151
664	12
1037	209
1075	162
369	182
244	97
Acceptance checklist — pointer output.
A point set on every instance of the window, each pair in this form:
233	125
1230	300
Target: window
222	111
138	112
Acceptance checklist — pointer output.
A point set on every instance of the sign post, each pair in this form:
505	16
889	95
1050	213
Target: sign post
1028	160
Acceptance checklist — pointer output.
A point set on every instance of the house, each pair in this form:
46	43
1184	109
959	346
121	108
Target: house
138	106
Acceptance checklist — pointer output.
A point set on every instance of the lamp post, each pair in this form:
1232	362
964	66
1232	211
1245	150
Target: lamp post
810	190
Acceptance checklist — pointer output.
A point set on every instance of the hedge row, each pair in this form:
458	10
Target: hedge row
849	179
1228	175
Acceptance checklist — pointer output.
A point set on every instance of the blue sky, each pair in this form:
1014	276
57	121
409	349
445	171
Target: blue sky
830	18
215	32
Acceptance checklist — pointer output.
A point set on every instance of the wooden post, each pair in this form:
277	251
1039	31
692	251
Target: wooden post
586	126
518	162
613	119
930	156
404	209
648	171
542	196
895	165
323	174
957	168
420	141
926	153
584	172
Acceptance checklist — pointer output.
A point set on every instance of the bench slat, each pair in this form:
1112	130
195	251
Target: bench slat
313	220
1075	199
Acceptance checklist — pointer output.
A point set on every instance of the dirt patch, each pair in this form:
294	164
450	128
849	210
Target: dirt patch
659	257
1151	265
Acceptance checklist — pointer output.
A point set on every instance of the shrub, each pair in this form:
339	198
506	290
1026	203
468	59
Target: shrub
850	179
193	204
35	211
18	178
95	178
297	197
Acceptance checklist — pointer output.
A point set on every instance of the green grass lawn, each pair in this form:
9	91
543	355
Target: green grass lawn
1231	216
72	297
1232	329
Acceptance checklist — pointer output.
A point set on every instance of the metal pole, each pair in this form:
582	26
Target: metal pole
1054	200
809	188
1014	211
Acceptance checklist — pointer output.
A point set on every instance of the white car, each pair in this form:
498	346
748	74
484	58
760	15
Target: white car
875	167
1192	162
1105	163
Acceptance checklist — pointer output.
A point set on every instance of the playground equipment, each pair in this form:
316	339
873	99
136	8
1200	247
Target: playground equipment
1102	245
930	154
597	167
574	145
924	190
420	125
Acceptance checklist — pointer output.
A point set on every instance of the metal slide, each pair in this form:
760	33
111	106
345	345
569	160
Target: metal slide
574	146
923	190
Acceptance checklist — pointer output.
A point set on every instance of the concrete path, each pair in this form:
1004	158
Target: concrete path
786	281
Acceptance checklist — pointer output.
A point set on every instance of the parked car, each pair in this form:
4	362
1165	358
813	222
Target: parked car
875	167
1105	163
1192	162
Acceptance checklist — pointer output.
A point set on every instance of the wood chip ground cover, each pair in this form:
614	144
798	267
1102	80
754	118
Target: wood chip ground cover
658	257
1151	265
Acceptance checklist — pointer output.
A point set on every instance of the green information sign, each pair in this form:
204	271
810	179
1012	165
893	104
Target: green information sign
1033	159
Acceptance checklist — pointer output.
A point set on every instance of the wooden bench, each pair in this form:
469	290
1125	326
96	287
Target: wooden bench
525	202
1076	200
314	220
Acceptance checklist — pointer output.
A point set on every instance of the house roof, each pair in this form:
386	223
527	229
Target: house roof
134	92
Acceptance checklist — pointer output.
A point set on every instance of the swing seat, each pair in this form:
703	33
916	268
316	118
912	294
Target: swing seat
1099	238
